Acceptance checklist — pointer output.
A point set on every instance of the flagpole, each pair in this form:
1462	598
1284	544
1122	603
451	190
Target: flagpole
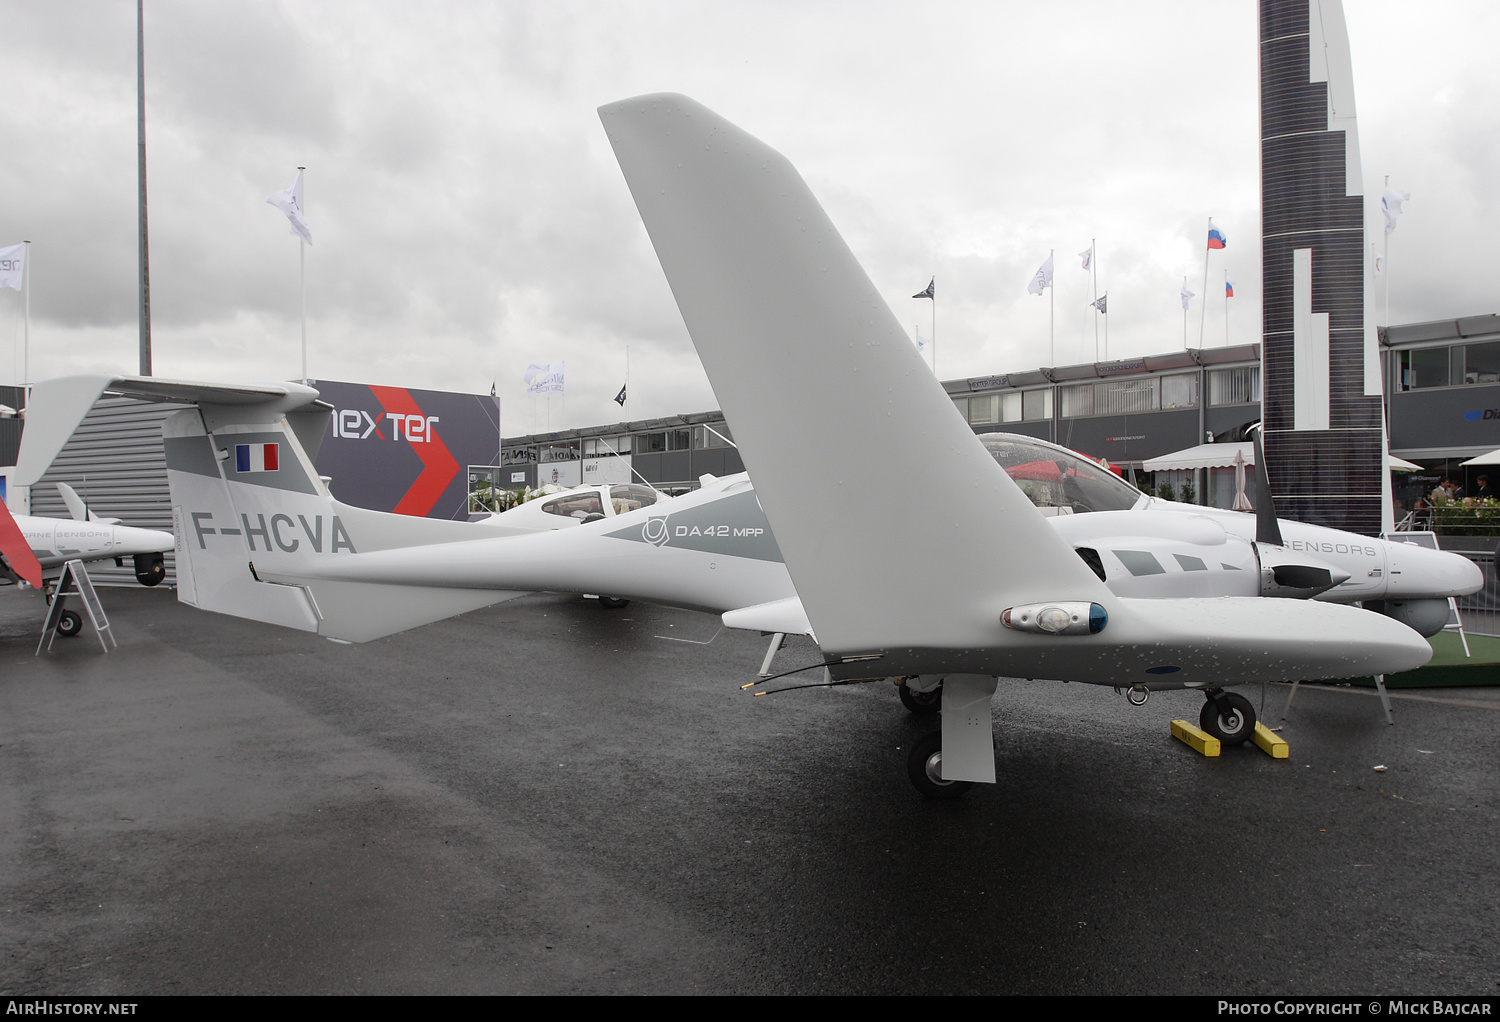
302	287
1052	314
1226	308
1203	310
1094	272
26	336
933	285
1106	327
1184	312
140	110
1387	259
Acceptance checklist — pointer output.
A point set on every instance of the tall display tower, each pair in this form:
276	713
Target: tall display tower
1320	365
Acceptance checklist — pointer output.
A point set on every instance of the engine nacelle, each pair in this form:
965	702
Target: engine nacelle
1425	617
1295	574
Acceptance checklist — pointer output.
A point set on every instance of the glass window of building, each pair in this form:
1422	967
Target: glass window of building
1010	407
1424	367
1179	391
1124	397
708	437
1036	404
962	404
679	440
1482	363
1238	386
984	409
560	452
651	443
606	446
1077	399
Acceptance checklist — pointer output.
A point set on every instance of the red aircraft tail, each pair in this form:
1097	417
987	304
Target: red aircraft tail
16	551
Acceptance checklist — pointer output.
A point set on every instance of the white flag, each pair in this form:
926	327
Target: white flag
921	341
1087	257
289	202
1390	205
544	378
12	262
1379	260
1042	279
1187	295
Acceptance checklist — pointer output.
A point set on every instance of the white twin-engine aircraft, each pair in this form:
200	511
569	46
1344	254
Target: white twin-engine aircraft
949	584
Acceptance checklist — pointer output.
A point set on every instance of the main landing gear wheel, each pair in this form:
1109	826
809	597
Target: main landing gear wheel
70	624
612	602
925	768
1229	717
922	703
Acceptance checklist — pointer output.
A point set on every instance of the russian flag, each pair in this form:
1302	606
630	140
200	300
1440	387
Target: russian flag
1228	288
1216	237
257	457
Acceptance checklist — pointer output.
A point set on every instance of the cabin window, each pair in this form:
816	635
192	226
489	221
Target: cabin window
575	505
1140	562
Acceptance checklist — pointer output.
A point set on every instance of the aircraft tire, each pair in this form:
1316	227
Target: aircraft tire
1234	728
922	703
70	624
612	602
923	766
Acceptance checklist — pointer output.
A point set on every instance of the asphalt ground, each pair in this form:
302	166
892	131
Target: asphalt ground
544	797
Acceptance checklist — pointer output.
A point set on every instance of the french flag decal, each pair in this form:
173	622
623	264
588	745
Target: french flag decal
257	457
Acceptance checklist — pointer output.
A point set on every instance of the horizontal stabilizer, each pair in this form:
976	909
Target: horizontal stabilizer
57	406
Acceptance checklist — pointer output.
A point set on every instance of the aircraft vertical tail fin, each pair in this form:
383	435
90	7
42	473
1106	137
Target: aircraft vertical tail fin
251	516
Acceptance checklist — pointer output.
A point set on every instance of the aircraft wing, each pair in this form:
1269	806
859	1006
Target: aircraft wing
825	391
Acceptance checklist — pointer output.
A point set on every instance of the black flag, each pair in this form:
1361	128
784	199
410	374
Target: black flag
928	293
620	397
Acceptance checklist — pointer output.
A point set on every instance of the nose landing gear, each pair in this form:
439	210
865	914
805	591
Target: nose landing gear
1228	716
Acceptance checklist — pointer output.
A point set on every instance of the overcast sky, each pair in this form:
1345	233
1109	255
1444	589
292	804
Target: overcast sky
469	218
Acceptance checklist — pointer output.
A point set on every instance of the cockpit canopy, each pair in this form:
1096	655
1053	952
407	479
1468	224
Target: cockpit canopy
1055	477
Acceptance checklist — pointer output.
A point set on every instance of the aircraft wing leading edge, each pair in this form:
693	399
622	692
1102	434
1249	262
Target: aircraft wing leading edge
825	391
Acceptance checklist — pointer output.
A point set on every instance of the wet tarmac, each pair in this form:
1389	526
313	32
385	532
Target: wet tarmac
544	797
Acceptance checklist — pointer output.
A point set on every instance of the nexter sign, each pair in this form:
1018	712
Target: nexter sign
403	450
